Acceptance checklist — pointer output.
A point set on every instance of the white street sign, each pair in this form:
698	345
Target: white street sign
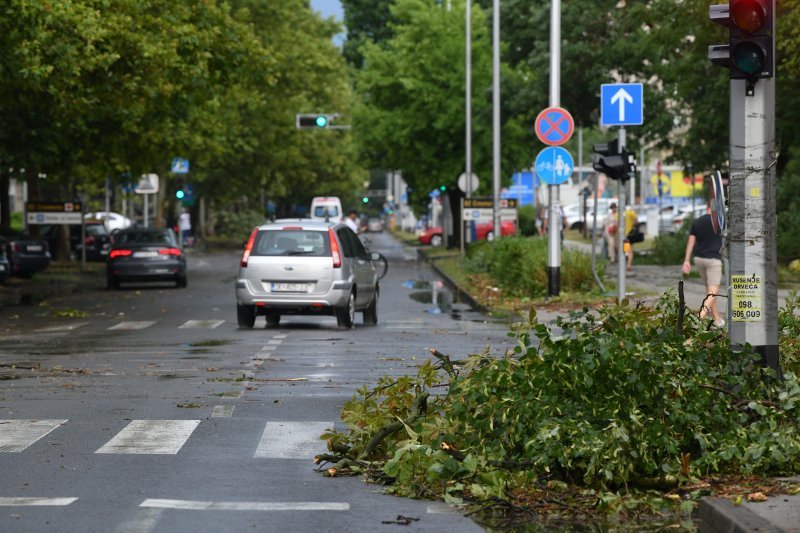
473	183
35	217
148	184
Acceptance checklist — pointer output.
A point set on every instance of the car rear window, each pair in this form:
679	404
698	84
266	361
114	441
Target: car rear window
291	242
149	237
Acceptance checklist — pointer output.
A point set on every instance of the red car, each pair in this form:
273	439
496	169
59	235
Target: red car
483	230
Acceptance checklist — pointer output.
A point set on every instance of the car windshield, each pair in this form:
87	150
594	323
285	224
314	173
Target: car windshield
291	242
326	211
144	236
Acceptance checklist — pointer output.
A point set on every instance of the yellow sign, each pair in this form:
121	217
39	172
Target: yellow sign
746	295
675	184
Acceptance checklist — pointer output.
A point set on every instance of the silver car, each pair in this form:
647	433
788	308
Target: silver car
304	267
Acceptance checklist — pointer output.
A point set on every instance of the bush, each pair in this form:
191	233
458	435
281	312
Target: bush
527	220
668	249
518	265
236	224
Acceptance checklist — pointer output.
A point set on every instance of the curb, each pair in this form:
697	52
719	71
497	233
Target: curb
719	514
460	294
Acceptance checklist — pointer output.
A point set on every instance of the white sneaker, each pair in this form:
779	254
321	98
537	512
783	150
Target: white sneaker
720	323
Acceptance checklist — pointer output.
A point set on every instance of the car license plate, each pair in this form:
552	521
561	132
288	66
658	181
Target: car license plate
160	270
2	268
290	287
34	248
145	254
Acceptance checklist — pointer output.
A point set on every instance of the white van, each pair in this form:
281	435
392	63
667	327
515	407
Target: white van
326	208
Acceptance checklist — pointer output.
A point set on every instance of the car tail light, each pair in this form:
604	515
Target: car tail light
89	240
170	251
337	257
248	248
119	253
15	248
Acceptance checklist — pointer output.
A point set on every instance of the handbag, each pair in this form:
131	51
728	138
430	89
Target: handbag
635	236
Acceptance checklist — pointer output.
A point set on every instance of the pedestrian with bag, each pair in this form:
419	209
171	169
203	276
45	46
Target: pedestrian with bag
632	234
706	244
610	233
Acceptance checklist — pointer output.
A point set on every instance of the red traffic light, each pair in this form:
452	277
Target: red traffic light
748	15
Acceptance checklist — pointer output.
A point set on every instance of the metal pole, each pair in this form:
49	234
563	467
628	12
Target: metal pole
496	115
753	276
553	191
642	176
594	236
146	210
468	117
108	194
621	263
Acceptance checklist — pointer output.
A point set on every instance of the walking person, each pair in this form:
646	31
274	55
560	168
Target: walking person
705	243
185	227
631	236
610	233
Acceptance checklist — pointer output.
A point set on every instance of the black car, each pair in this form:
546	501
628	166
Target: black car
96	239
25	255
145	255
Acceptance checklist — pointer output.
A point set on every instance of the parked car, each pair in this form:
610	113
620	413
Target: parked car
483	230
5	266
574	217
144	255
303	267
25	255
685	213
374	225
96	239
112	221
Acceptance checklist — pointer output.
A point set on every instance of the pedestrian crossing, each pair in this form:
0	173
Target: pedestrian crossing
279	439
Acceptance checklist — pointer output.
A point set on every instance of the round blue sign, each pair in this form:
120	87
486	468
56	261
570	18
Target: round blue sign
554	165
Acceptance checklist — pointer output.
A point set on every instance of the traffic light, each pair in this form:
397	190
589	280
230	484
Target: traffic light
365	200
179	189
750	52
442	188
314	121
610	160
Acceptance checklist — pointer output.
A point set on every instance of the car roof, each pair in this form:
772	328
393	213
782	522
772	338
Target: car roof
299	223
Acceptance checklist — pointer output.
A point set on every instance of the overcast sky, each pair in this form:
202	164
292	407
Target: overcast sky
329	8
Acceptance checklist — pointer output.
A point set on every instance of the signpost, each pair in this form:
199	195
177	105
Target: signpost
179	165
554	126
148	184
621	104
68	213
554	165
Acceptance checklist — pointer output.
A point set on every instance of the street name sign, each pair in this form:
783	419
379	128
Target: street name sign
554	165
54	213
554	126
621	104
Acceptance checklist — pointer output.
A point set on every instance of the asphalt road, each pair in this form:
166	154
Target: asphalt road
148	409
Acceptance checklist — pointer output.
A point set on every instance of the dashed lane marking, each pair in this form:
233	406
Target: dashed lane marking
275	342
201	324
35	502
268	349
144	522
194	505
222	411
281	336
143	324
292	440
16	435
151	437
63	327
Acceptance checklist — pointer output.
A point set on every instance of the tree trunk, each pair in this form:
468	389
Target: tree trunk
5	201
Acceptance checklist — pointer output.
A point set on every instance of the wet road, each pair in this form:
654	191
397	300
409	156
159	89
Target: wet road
148	409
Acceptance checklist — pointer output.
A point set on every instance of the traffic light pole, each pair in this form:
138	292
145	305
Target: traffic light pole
555	220
753	283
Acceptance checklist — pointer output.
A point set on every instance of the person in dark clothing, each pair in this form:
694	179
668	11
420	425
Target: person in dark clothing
706	244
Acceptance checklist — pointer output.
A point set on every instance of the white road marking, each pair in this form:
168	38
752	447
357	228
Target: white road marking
275	342
151	437
268	348
201	324
144	522
244	506
222	411
16	435
283	336
292	440
143	324
38	502
63	327
233	394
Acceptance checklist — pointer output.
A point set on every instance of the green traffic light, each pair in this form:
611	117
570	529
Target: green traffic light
321	121
442	187
365	200
179	194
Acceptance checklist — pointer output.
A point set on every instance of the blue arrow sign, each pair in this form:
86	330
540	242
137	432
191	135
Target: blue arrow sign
554	165
621	104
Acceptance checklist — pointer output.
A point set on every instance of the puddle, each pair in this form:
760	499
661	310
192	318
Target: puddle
441	298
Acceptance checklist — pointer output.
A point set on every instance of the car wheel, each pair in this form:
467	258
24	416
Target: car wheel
371	312
181	282
346	316
273	319
112	283
436	240
246	315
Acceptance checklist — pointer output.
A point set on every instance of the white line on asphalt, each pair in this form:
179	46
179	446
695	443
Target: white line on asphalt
133	325
292	440
201	324
63	327
151	437
38	502
282	336
244	506
144	521
268	348
232	394
275	342
16	435
222	411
